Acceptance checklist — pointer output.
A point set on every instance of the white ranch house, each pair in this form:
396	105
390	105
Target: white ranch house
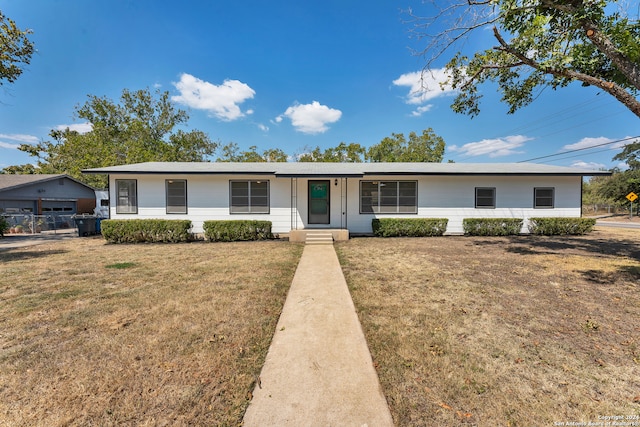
342	196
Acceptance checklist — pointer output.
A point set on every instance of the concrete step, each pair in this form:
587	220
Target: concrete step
319	239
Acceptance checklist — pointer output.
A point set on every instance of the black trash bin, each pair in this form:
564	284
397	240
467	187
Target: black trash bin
86	225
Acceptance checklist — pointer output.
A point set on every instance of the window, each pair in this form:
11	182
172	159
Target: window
127	197
543	197
249	197
176	196
485	197
388	197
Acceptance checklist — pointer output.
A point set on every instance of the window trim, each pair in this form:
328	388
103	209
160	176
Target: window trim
397	212
535	197
249	212
493	197
133	206
166	193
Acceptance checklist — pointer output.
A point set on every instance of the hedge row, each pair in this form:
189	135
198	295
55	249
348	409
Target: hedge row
422	227
491	226
230	231
560	226
409	227
146	230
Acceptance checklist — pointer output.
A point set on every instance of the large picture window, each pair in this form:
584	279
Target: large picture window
388	197
126	196
485	198
176	196
249	197
543	198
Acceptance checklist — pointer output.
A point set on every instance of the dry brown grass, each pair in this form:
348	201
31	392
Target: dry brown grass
501	331
96	334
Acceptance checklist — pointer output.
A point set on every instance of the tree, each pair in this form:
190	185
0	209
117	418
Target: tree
15	50
343	153
618	185
231	153
593	193
540	43
427	147
630	154
27	169
138	129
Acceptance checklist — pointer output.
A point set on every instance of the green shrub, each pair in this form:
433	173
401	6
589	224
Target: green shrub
4	226
146	230
560	226
409	227
235	230
492	226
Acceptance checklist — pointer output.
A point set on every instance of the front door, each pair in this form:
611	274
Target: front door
319	202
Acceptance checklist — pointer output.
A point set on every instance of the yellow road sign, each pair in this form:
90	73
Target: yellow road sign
632	196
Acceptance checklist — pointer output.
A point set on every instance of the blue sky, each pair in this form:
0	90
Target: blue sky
283	74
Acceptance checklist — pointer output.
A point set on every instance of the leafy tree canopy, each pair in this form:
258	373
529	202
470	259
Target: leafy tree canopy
231	153
15	50
427	147
540	43
141	128
617	186
343	153
621	183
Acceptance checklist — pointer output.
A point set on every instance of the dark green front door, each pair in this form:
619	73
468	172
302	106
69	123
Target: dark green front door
319	202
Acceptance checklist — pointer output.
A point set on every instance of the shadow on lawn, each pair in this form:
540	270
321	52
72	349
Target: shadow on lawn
577	245
627	273
567	245
18	255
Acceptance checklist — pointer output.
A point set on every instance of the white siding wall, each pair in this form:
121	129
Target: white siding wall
207	199
451	197
454	198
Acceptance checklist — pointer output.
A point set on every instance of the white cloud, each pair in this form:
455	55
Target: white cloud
420	110
9	146
78	127
28	139
221	101
623	166
588	142
497	147
588	165
311	118
263	128
424	86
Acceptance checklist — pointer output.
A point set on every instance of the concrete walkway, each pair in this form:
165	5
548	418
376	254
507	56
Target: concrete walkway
318	371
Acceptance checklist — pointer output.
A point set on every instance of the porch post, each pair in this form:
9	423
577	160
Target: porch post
344	203
294	203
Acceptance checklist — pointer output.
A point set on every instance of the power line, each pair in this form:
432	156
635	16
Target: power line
580	149
560	116
576	155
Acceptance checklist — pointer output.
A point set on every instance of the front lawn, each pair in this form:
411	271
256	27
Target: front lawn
510	331
166	334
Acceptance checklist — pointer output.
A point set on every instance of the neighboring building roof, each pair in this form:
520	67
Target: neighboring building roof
13	181
313	169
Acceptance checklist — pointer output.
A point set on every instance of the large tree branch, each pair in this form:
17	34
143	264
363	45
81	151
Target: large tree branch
477	74
612	88
630	69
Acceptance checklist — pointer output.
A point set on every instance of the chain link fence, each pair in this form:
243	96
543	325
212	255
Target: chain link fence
31	224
